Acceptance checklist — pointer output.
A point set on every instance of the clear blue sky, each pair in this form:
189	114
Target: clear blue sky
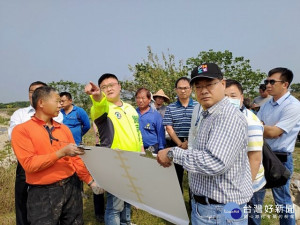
80	40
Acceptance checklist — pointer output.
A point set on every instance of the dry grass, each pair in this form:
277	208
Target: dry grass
7	184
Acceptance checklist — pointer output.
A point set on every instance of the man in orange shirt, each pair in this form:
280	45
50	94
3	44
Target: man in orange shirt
49	156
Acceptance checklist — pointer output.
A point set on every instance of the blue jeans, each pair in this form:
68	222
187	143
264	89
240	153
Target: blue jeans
117	211
214	214
282	197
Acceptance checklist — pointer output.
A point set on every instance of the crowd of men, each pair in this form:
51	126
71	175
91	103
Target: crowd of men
216	139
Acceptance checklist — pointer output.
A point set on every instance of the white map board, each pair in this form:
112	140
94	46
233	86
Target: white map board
138	180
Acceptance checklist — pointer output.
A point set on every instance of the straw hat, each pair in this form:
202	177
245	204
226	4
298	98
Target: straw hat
161	93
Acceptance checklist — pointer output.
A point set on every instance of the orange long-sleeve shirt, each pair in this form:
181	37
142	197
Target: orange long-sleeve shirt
37	155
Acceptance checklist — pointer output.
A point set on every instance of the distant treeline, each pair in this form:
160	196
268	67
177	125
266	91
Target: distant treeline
14	105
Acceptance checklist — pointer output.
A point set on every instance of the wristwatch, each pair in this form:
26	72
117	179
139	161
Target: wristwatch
170	154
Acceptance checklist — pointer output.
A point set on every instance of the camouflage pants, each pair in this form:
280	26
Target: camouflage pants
55	204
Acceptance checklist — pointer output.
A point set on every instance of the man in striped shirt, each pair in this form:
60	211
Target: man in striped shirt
234	91
178	117
217	162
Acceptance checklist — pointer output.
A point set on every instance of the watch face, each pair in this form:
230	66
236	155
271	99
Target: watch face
170	154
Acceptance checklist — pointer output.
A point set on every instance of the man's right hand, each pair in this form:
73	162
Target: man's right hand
69	150
93	89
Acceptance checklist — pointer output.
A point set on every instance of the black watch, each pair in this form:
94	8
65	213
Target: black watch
170	154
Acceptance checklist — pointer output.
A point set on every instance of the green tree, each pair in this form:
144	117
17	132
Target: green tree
76	90
154	75
295	87
237	68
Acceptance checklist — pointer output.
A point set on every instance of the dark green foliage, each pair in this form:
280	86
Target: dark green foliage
77	91
19	104
154	75
237	68
295	87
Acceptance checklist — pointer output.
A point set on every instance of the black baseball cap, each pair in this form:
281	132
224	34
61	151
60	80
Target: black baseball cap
206	70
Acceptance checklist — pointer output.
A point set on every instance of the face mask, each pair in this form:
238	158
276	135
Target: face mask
235	102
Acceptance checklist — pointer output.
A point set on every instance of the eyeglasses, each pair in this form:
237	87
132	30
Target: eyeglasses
208	87
272	82
182	88
111	85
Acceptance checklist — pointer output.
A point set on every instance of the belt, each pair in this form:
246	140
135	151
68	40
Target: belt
205	200
56	184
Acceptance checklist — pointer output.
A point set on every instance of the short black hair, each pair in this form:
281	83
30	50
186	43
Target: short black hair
286	75
230	82
247	103
41	93
67	94
262	87
105	76
37	83
143	89
182	78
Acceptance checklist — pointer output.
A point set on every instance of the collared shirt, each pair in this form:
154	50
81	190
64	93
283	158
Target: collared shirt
260	100
179	117
152	129
78	121
24	114
285	114
217	163
36	152
195	124
255	143
118	126
162	110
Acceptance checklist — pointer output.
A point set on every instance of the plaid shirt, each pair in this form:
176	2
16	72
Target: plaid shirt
217	163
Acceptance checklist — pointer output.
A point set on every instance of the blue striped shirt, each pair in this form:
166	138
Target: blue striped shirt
179	117
217	163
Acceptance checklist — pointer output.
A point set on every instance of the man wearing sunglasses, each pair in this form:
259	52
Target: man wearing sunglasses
281	119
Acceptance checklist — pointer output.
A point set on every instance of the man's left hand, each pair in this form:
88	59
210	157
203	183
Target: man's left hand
96	188
163	159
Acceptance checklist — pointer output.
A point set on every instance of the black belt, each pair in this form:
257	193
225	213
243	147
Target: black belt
56	184
204	200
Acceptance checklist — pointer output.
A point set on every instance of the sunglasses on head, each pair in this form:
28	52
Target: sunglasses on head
272	82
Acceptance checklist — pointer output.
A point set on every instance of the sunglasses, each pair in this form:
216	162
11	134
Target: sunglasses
272	82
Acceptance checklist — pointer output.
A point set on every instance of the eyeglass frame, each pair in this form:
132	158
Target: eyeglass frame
111	85
182	88
209	87
272	81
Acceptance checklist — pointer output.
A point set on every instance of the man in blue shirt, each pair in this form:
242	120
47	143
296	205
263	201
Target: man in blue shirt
281	119
178	117
150	121
74	117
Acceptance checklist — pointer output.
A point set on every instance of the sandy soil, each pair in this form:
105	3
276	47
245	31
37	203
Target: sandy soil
3	136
